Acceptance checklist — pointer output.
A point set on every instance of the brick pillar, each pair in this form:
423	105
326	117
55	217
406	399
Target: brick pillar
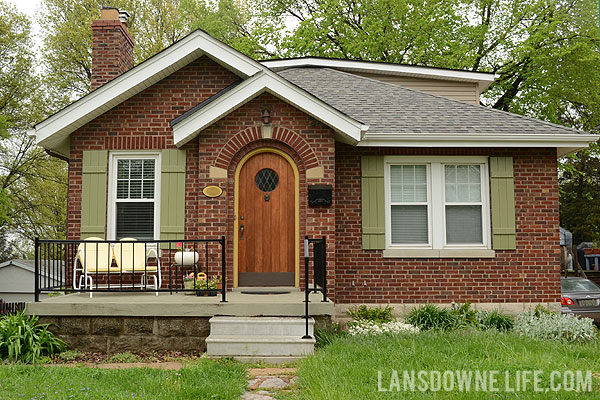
112	47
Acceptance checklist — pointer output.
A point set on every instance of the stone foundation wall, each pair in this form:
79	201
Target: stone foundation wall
132	334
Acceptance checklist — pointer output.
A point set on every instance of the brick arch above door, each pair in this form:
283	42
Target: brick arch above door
278	133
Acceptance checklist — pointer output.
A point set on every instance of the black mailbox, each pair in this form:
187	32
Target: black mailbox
319	195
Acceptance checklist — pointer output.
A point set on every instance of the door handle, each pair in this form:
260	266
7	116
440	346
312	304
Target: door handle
242	231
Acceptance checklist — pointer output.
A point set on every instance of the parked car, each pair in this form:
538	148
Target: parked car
581	297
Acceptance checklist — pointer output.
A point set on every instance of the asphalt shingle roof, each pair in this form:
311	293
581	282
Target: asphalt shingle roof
393	109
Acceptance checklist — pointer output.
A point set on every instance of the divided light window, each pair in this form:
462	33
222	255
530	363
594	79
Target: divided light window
134	193
438	204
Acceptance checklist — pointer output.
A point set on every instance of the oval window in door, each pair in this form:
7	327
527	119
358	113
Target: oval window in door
266	180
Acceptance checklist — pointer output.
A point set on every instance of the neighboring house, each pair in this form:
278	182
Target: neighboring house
434	197
17	280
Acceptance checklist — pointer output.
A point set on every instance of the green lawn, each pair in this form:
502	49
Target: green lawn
349	367
205	380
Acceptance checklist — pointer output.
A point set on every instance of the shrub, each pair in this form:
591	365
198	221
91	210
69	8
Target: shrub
495	320
465	315
23	339
431	316
375	328
375	314
549	325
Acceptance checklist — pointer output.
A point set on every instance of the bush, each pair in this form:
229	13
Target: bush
374	314
495	320
376	328
431	316
23	339
549	325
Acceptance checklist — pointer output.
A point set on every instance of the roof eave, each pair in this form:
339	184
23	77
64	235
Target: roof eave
57	127
483	79
564	143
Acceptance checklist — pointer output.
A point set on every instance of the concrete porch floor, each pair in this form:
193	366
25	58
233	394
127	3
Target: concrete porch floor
181	305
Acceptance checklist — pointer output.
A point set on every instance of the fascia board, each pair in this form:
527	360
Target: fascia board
484	79
141	77
187	129
565	144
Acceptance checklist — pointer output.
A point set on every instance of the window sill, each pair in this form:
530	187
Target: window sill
439	253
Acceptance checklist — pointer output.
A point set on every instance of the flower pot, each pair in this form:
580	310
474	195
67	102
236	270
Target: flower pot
188	285
186	257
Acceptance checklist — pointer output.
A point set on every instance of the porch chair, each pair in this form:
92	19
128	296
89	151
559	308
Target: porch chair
133	257
92	258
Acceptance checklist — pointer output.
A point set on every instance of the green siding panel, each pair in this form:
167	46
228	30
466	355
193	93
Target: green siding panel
503	203
373	202
172	195
93	193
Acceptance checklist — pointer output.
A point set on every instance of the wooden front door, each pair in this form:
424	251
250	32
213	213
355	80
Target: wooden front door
266	222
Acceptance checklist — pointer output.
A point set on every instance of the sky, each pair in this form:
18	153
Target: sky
26	6
29	7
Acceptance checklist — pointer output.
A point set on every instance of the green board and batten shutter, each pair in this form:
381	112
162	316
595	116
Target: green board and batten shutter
172	195
503	203
373	203
93	193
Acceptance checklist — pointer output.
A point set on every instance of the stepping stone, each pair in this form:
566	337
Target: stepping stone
262	395
273	383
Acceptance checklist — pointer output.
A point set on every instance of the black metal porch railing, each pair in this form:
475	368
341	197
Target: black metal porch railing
319	273
128	265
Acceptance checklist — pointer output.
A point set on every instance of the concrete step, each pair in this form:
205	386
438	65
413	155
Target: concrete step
259	338
261	326
258	347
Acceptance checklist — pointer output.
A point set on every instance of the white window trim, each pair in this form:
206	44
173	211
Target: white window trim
437	246
111	215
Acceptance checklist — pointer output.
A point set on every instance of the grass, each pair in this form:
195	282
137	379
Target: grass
348	367
205	380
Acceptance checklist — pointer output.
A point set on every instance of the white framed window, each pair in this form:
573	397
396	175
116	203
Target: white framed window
134	194
437	203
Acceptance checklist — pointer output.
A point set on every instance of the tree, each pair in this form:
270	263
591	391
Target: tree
153	24
32	184
545	52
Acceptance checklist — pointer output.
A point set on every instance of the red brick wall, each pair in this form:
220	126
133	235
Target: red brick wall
528	274
142	123
308	142
112	51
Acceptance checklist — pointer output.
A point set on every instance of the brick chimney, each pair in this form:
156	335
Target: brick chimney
112	46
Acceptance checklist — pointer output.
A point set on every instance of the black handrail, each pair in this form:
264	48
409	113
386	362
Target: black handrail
59	266
319	273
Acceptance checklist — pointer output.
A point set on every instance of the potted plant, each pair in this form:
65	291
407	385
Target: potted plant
185	256
207	285
189	282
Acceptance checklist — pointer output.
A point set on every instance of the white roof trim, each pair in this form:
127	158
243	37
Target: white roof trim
483	79
565	144
267	81
54	130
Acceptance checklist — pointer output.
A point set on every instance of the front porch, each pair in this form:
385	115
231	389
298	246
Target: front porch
147	304
144	322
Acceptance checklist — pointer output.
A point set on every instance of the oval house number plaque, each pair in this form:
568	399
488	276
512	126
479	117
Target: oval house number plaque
212	191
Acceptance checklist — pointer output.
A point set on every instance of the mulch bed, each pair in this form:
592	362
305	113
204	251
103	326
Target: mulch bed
148	357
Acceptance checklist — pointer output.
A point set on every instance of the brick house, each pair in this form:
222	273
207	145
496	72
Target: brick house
434	197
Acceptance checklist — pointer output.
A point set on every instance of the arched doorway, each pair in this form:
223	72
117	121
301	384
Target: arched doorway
266	235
